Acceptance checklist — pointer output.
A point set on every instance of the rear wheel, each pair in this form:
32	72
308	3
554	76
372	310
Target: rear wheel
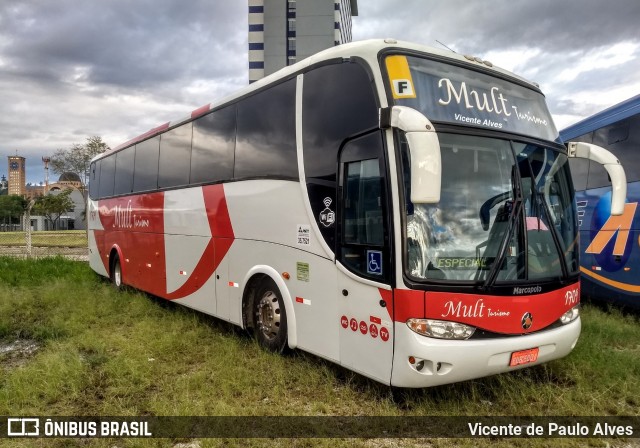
116	272
270	317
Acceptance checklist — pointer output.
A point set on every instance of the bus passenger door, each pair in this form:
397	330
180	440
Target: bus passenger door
363	258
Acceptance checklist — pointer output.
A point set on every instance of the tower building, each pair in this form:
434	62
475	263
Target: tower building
282	32
17	176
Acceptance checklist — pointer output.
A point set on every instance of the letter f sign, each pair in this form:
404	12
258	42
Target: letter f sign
403	88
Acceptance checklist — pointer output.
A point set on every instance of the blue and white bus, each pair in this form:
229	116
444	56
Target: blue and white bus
610	245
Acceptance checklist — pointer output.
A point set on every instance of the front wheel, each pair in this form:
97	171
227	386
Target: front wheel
270	317
116	272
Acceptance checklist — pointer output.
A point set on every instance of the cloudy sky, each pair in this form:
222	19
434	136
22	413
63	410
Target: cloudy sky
71	69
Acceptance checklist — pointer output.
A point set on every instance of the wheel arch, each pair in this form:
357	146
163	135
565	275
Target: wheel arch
251	281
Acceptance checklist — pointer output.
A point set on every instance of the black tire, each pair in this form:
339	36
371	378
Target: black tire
270	317
116	273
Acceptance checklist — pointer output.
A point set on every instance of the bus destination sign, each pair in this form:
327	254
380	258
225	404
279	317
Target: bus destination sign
455	95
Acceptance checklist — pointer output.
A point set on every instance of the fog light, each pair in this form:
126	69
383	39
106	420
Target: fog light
570	315
440	329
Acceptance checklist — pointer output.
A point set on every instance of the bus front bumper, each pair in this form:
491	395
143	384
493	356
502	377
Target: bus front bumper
439	361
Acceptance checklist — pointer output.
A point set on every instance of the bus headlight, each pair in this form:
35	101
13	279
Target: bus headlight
440	329
570	315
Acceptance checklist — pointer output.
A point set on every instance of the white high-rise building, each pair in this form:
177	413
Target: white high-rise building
282	32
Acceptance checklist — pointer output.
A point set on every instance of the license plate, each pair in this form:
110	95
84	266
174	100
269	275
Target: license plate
524	357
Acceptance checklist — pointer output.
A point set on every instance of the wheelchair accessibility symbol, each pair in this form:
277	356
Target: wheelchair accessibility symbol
374	262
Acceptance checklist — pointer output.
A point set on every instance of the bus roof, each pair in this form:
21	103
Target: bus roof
606	117
366	49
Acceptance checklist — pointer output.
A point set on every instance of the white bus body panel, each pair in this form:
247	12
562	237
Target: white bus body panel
366	341
465	360
266	235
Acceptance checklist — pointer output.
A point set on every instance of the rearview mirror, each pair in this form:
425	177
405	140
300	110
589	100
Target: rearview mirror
424	149
611	164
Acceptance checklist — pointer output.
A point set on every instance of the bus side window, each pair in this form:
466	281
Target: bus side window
145	171
175	157
622	139
124	171
338	102
214	142
580	167
94	180
266	137
107	176
579	172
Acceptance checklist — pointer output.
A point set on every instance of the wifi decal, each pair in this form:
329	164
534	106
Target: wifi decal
327	216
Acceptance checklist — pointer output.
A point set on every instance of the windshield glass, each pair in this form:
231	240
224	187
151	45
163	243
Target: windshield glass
504	204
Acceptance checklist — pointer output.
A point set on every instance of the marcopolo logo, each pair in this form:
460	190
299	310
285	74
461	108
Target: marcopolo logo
527	320
528	290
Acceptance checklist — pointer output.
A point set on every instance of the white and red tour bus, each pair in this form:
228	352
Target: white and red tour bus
405	212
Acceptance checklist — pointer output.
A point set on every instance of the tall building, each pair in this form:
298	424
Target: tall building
282	32
17	175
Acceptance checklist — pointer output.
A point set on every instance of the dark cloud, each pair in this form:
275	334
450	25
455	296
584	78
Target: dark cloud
474	27
70	69
122	43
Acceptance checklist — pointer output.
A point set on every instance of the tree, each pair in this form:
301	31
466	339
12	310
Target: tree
52	206
77	158
11	208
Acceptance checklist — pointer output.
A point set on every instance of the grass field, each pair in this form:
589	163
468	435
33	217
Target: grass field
89	350
66	238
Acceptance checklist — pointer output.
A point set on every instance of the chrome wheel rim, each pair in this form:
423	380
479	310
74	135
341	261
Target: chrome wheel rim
117	274
268	315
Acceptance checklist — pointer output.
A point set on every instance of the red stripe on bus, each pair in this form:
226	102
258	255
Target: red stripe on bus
139	138
201	111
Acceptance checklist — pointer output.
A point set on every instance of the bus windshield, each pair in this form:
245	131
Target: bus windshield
506	213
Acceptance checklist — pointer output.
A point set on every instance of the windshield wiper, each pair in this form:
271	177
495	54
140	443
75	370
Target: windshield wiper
514	219
542	206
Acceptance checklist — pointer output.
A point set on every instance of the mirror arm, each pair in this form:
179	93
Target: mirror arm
611	164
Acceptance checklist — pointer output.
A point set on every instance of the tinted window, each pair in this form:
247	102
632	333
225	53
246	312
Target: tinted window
362	209
623	140
338	102
145	176
175	157
124	170
107	172
580	167
94	178
266	141
214	140
579	172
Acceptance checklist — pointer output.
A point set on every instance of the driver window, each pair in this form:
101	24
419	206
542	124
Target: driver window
363	241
